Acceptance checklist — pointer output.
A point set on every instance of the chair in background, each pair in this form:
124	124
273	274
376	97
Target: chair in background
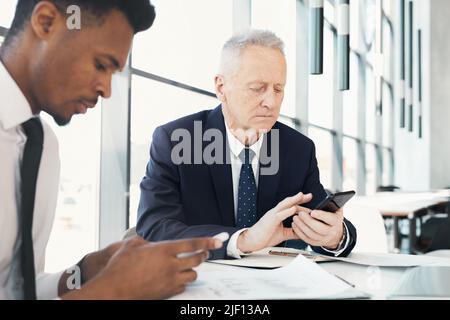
370	228
387	188
435	234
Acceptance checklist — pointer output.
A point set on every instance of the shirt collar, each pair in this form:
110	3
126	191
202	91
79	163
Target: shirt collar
236	146
14	107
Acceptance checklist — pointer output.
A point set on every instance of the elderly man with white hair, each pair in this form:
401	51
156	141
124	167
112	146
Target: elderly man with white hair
236	169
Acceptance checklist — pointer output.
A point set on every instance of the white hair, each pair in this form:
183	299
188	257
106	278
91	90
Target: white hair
235	46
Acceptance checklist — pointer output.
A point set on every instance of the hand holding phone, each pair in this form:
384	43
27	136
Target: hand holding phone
334	202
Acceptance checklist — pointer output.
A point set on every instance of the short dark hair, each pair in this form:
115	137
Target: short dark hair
140	13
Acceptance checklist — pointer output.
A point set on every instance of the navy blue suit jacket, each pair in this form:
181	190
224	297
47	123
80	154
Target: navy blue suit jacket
196	200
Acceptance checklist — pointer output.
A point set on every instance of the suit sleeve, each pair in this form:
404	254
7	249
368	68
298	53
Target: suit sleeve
312	185
160	213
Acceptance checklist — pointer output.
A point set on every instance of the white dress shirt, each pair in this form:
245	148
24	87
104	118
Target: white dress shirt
14	110
236	148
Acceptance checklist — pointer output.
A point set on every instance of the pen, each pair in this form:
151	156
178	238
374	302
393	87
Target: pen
223	236
281	253
342	279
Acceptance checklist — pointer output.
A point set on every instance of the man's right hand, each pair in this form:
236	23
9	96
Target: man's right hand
269	230
143	270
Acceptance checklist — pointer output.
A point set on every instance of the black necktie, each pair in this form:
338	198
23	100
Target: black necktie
29	172
247	193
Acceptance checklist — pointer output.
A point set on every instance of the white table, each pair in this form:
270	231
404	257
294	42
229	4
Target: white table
376	281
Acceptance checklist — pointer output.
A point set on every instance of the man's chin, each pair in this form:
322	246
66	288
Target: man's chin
60	121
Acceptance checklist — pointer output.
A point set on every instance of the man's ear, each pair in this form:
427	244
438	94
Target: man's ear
219	86
44	19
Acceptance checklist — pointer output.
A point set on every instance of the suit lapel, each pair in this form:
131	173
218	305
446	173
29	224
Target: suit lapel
221	173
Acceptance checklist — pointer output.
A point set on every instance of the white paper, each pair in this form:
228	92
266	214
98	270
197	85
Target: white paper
394	260
262	258
301	279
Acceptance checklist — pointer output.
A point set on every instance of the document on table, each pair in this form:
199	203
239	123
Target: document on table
272	257
394	260
300	279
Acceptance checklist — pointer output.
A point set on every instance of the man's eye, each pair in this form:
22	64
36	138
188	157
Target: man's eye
99	66
256	89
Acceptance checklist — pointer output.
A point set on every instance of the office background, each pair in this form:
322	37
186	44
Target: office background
364	139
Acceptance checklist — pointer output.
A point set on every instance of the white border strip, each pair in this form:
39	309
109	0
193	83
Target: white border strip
316	3
343	19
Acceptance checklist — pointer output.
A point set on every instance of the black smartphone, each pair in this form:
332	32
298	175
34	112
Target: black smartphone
335	201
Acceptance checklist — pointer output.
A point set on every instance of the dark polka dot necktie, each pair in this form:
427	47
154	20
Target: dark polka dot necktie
246	213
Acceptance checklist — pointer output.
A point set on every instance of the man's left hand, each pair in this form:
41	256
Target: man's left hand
319	228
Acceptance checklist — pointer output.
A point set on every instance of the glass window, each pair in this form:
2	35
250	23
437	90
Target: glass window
7	9
323	141
388	53
153	104
287	122
387	167
75	230
186	41
350	100
388	111
369	24
328	11
350	153
370	169
320	97
280	19
370	105
355	27
388	8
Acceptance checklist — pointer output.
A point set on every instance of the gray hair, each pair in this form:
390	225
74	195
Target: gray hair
235	46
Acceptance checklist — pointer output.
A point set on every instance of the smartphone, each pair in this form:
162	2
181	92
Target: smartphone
335	201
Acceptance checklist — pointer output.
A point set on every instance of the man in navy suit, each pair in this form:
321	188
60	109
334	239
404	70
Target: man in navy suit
236	169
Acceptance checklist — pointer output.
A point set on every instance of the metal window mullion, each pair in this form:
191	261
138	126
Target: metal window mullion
402	72
410	66
419	84
378	165
337	162
315	31
302	78
378	58
361	96
342	10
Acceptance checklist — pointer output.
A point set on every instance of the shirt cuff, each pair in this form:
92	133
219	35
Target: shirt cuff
47	285
232	249
338	251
